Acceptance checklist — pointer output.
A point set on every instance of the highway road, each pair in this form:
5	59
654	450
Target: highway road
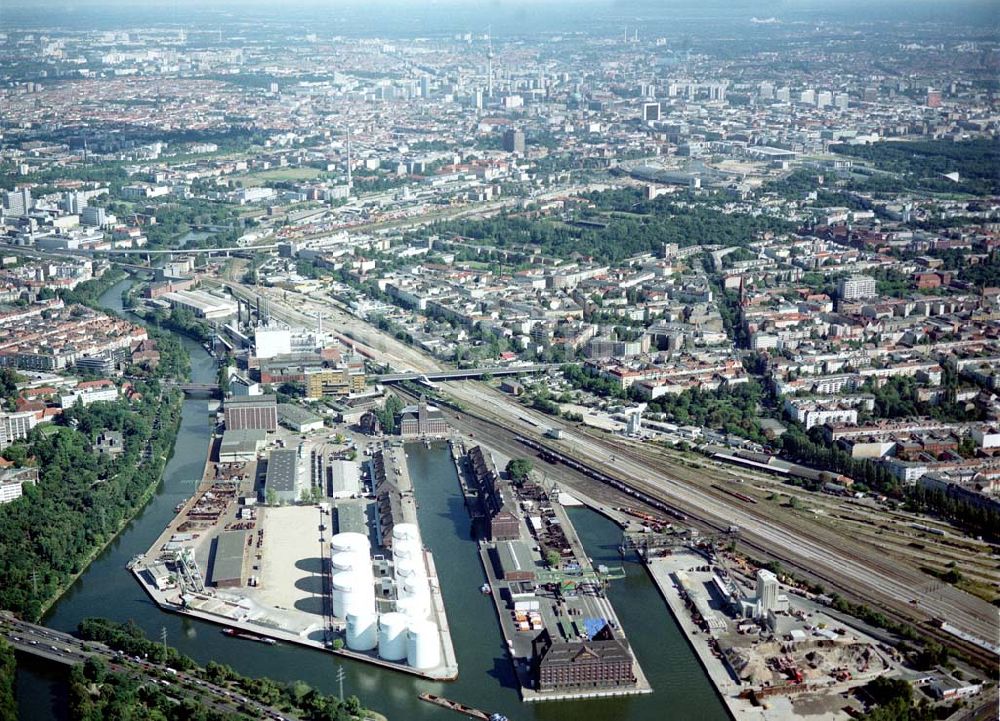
857	569
59	647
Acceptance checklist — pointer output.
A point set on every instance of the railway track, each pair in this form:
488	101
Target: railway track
618	489
678	490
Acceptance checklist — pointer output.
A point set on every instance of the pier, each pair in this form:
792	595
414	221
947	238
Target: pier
243	608
539	606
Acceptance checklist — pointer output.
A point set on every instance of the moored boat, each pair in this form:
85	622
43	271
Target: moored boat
461	708
248	636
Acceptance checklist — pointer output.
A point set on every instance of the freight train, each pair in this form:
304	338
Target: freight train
555	457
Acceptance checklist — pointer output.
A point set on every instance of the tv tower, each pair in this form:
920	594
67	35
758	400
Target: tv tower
489	56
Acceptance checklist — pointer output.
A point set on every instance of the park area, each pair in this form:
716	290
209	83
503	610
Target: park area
279	175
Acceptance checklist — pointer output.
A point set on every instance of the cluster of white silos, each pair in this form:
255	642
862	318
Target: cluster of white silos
354	589
407	633
413	592
404	634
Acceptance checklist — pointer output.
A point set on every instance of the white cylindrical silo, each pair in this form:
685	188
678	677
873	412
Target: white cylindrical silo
405	532
352	593
350	541
344	584
362	631
349	561
413	607
407	568
423	646
392	636
414	587
407	548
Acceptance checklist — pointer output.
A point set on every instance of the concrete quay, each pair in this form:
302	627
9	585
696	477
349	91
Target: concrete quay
396	459
720	676
245	612
268	631
554	610
777	708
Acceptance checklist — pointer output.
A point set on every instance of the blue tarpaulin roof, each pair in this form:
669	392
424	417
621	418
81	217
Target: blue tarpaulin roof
593	626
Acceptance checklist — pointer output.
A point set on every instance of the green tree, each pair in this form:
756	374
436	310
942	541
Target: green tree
8	668
387	414
518	469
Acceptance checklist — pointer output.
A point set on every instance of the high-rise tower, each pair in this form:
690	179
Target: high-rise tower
489	57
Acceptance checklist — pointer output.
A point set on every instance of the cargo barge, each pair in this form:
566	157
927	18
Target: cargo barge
248	636
461	708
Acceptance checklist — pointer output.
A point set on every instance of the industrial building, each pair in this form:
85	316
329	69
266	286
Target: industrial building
241	446
767	600
513	561
228	549
298	418
345	479
323	374
422	420
496	507
281	485
601	662
201	304
252	412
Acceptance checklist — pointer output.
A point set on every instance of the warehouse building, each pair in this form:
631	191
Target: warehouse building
352	517
345	479
252	412
281	485
601	662
201	304
241	446
496	506
228	549
298	418
512	561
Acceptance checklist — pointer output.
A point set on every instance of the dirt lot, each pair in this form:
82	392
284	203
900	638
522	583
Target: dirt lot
293	563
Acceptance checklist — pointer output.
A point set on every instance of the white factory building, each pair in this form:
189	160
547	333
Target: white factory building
203	305
274	340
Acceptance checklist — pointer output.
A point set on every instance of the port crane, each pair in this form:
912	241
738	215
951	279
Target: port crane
570	580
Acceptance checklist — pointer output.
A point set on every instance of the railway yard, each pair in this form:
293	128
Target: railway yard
866	555
841	563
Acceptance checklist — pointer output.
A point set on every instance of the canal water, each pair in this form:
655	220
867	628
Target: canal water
682	691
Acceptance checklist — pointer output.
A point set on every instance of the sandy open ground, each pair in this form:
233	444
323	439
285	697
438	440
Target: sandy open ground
293	563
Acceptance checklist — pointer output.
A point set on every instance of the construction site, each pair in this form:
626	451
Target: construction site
770	651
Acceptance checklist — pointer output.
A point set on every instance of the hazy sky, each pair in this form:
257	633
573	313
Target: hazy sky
449	14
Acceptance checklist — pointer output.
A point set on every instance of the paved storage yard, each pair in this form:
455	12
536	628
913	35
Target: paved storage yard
291	574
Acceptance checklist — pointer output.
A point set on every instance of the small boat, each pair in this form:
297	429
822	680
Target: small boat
485	589
248	636
179	507
461	708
